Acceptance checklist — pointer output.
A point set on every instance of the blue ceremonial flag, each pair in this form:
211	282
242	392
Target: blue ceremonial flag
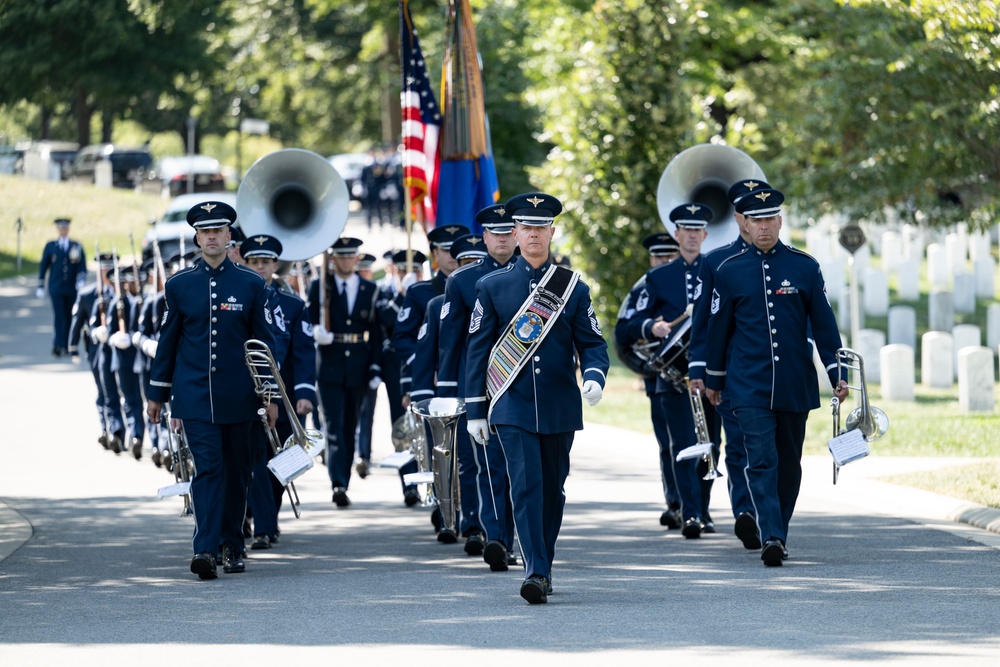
467	180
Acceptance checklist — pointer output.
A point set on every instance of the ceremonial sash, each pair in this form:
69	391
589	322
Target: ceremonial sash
527	329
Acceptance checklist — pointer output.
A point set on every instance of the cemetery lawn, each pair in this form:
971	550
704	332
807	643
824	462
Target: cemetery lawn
932	425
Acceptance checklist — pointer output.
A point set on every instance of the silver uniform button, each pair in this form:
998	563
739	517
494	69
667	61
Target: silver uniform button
768	291
347	353
766	266
214	332
538	358
772	317
214	307
212	283
214	295
776	357
537	371
348	322
213	357
770	305
767	277
213	369
213	343
215	319
774	345
774	331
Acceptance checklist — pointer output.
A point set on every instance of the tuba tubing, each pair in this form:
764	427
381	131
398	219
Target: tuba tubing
442	415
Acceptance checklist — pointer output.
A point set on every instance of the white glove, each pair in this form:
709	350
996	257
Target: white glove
408	280
136	339
121	340
479	429
374	383
99	334
40	293
149	348
592	392
321	335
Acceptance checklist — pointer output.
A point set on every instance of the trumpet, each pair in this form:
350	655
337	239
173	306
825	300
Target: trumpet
703	446
269	385
181	460
870	421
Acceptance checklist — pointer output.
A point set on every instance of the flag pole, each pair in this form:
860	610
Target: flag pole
407	204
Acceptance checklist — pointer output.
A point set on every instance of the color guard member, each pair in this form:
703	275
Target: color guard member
762	304
530	325
212	309
350	352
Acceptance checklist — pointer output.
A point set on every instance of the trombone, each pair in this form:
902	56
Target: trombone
181	460
703	446
269	385
872	422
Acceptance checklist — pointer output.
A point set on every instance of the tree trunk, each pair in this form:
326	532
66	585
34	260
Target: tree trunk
45	123
83	113
107	124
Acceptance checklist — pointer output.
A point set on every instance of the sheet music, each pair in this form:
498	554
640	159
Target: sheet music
849	446
178	489
290	463
397	459
694	451
418	478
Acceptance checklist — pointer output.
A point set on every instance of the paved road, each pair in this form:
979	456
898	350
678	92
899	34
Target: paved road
96	568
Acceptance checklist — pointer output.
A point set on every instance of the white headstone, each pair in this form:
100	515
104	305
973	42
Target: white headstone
902	326
818	243
985	270
940	310
876	292
937	265
963	336
976	379
862	258
937	361
964	292
896	363
844	311
869	342
913	242
834	276
908	279
957	252
891	251
993	326
979	245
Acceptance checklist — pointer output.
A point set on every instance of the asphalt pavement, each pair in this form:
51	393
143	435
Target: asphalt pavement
94	568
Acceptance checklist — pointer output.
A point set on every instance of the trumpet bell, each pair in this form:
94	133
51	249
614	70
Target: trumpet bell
703	174
873	425
317	442
296	196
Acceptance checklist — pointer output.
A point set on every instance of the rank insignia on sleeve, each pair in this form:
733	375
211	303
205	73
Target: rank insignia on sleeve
715	301
477	317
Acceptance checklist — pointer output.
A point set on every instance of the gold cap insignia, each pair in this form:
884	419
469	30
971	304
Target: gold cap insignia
750	185
475	241
762	195
500	211
208	207
694	208
260	240
451	230
535	201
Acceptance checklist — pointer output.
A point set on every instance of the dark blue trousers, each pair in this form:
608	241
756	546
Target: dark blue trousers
108	390
662	434
341	406
736	459
714	433
62	310
495	514
128	386
223	459
537	466
774	465
676	408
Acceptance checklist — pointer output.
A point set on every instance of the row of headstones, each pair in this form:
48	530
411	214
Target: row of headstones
944	358
902	324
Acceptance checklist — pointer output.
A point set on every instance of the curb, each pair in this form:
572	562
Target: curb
15	530
978	516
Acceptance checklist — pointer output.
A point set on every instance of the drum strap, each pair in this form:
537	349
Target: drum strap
527	329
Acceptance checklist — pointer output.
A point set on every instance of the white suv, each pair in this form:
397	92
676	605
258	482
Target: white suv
169	229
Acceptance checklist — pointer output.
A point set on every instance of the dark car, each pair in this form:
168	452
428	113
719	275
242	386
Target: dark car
125	162
169	176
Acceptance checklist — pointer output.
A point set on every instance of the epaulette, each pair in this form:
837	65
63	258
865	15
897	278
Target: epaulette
499	272
182	272
460	269
248	270
739	254
801	252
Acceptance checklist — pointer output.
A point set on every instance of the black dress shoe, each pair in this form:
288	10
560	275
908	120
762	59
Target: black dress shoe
495	555
746	530
261	542
773	553
57	352
340	497
362	468
671	519
692	528
446	536
137	448
708	526
511	558
115	444
103	441
204	566
232	560
411	497
436	520
474	544
274	538
247	528
535	589
155	458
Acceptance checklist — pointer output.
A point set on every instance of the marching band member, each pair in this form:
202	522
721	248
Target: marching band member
671	289
350	352
521	379
366	417
662	248
739	492
145	340
212	309
295	354
482	472
762	303
81	326
66	265
122	322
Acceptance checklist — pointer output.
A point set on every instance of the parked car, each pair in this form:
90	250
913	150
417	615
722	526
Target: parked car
168	176
173	225
44	157
349	166
125	162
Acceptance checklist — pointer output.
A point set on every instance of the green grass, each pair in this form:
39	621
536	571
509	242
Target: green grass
104	215
978	483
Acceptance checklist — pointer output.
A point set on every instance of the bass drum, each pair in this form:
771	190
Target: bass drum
672	357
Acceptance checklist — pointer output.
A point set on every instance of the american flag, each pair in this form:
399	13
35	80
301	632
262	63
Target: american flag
421	123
